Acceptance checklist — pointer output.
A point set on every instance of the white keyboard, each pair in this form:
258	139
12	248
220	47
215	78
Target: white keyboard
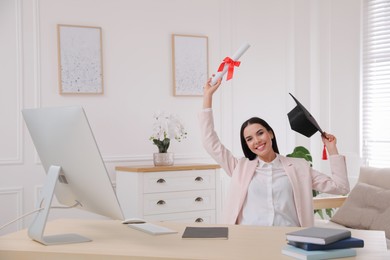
152	228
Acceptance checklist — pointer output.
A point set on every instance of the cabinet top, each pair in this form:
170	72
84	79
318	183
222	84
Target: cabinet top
178	167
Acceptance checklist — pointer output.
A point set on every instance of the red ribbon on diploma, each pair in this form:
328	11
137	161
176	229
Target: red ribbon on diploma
231	63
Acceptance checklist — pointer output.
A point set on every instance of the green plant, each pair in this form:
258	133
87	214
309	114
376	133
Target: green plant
302	152
163	144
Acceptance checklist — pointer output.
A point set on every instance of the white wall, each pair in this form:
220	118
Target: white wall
307	47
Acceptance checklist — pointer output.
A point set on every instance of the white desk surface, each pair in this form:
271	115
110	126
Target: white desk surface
113	240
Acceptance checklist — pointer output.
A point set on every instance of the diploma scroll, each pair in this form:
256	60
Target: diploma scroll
235	57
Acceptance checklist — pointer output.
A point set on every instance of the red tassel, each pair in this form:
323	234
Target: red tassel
324	155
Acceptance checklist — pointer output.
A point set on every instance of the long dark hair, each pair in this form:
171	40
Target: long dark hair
255	120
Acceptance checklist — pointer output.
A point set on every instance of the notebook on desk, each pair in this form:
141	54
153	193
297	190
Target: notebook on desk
318	235
206	233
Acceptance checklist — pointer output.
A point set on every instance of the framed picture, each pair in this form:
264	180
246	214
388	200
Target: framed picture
80	59
190	64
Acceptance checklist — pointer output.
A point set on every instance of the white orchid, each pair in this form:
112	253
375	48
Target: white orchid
165	128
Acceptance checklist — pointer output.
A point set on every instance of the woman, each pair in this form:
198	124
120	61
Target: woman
267	188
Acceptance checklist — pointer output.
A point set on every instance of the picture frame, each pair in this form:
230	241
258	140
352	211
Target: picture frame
190	64
80	59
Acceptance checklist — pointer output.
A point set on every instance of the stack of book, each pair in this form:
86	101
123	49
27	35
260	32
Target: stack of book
321	243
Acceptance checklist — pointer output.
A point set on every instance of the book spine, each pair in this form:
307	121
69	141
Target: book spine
337	245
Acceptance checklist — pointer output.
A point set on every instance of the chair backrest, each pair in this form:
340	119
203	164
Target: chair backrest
379	177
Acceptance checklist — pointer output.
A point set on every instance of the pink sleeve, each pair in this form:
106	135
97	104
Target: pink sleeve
213	145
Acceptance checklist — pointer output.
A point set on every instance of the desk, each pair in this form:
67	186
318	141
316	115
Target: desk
113	240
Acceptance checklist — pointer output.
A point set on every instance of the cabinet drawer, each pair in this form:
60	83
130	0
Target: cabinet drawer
161	203
179	181
205	216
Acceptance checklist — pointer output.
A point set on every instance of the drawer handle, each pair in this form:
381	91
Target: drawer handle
161	202
199	199
198	179
161	181
198	220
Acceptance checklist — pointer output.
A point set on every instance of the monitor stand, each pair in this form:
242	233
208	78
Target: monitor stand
38	225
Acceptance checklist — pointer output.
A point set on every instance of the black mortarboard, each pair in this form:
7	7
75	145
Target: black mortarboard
302	121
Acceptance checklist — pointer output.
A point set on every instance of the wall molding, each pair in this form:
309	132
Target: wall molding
37	53
148	158
37	62
18	192
18	159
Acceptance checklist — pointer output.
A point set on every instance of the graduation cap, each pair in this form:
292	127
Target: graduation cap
303	122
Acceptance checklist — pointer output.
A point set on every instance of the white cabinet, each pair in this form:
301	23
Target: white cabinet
180	193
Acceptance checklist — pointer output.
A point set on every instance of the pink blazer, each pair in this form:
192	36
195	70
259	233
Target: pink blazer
303	177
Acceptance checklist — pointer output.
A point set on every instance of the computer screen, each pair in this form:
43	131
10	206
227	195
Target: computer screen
65	143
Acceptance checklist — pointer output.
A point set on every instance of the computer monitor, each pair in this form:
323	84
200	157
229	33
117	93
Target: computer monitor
76	173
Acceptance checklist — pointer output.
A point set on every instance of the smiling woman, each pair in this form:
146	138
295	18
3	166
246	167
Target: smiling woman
258	139
268	189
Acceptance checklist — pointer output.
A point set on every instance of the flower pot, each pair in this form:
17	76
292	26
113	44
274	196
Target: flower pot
163	159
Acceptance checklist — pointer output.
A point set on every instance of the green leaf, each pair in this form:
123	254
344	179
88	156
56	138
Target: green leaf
319	212
301	149
329	212
301	152
162	145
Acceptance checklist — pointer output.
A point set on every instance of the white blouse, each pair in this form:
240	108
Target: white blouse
270	199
